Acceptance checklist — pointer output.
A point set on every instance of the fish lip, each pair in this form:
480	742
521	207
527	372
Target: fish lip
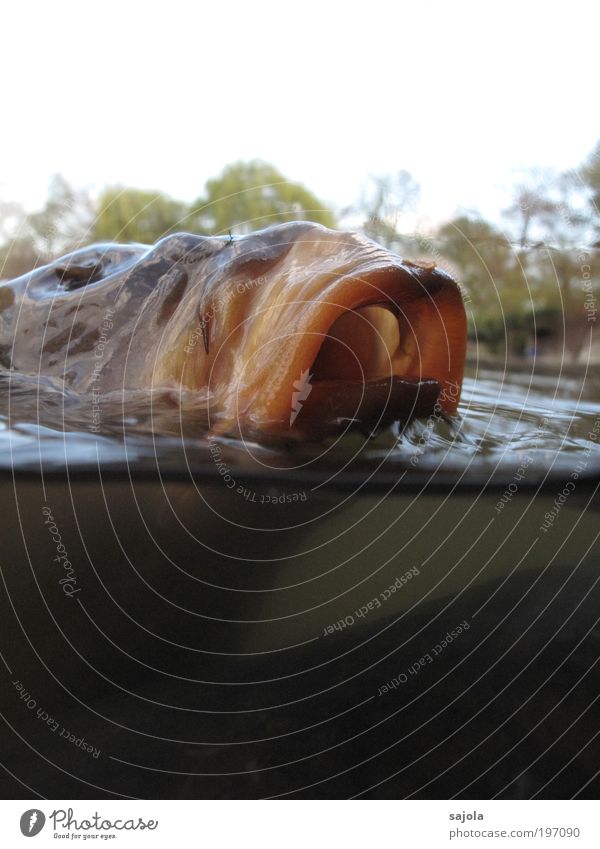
378	402
427	302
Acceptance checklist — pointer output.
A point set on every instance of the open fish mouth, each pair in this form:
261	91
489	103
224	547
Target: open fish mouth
382	340
366	374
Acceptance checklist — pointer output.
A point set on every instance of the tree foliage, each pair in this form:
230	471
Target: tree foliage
247	196
63	221
135	215
17	256
590	173
384	200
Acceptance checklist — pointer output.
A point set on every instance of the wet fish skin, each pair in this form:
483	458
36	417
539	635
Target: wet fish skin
237	322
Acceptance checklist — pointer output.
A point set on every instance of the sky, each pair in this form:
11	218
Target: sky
464	95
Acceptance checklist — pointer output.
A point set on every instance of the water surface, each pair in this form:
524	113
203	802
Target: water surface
541	421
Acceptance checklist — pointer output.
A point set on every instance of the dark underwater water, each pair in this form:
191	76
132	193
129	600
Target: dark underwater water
222	623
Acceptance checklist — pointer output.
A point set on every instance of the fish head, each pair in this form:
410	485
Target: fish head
304	327
293	329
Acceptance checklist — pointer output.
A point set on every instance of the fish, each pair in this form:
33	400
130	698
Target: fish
295	329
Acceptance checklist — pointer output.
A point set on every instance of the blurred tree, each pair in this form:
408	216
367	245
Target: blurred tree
12	217
558	210
63	222
493	277
590	173
533	206
382	204
17	256
35	238
247	196
486	260
135	215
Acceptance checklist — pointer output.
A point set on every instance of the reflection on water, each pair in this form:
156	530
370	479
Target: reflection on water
548	418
